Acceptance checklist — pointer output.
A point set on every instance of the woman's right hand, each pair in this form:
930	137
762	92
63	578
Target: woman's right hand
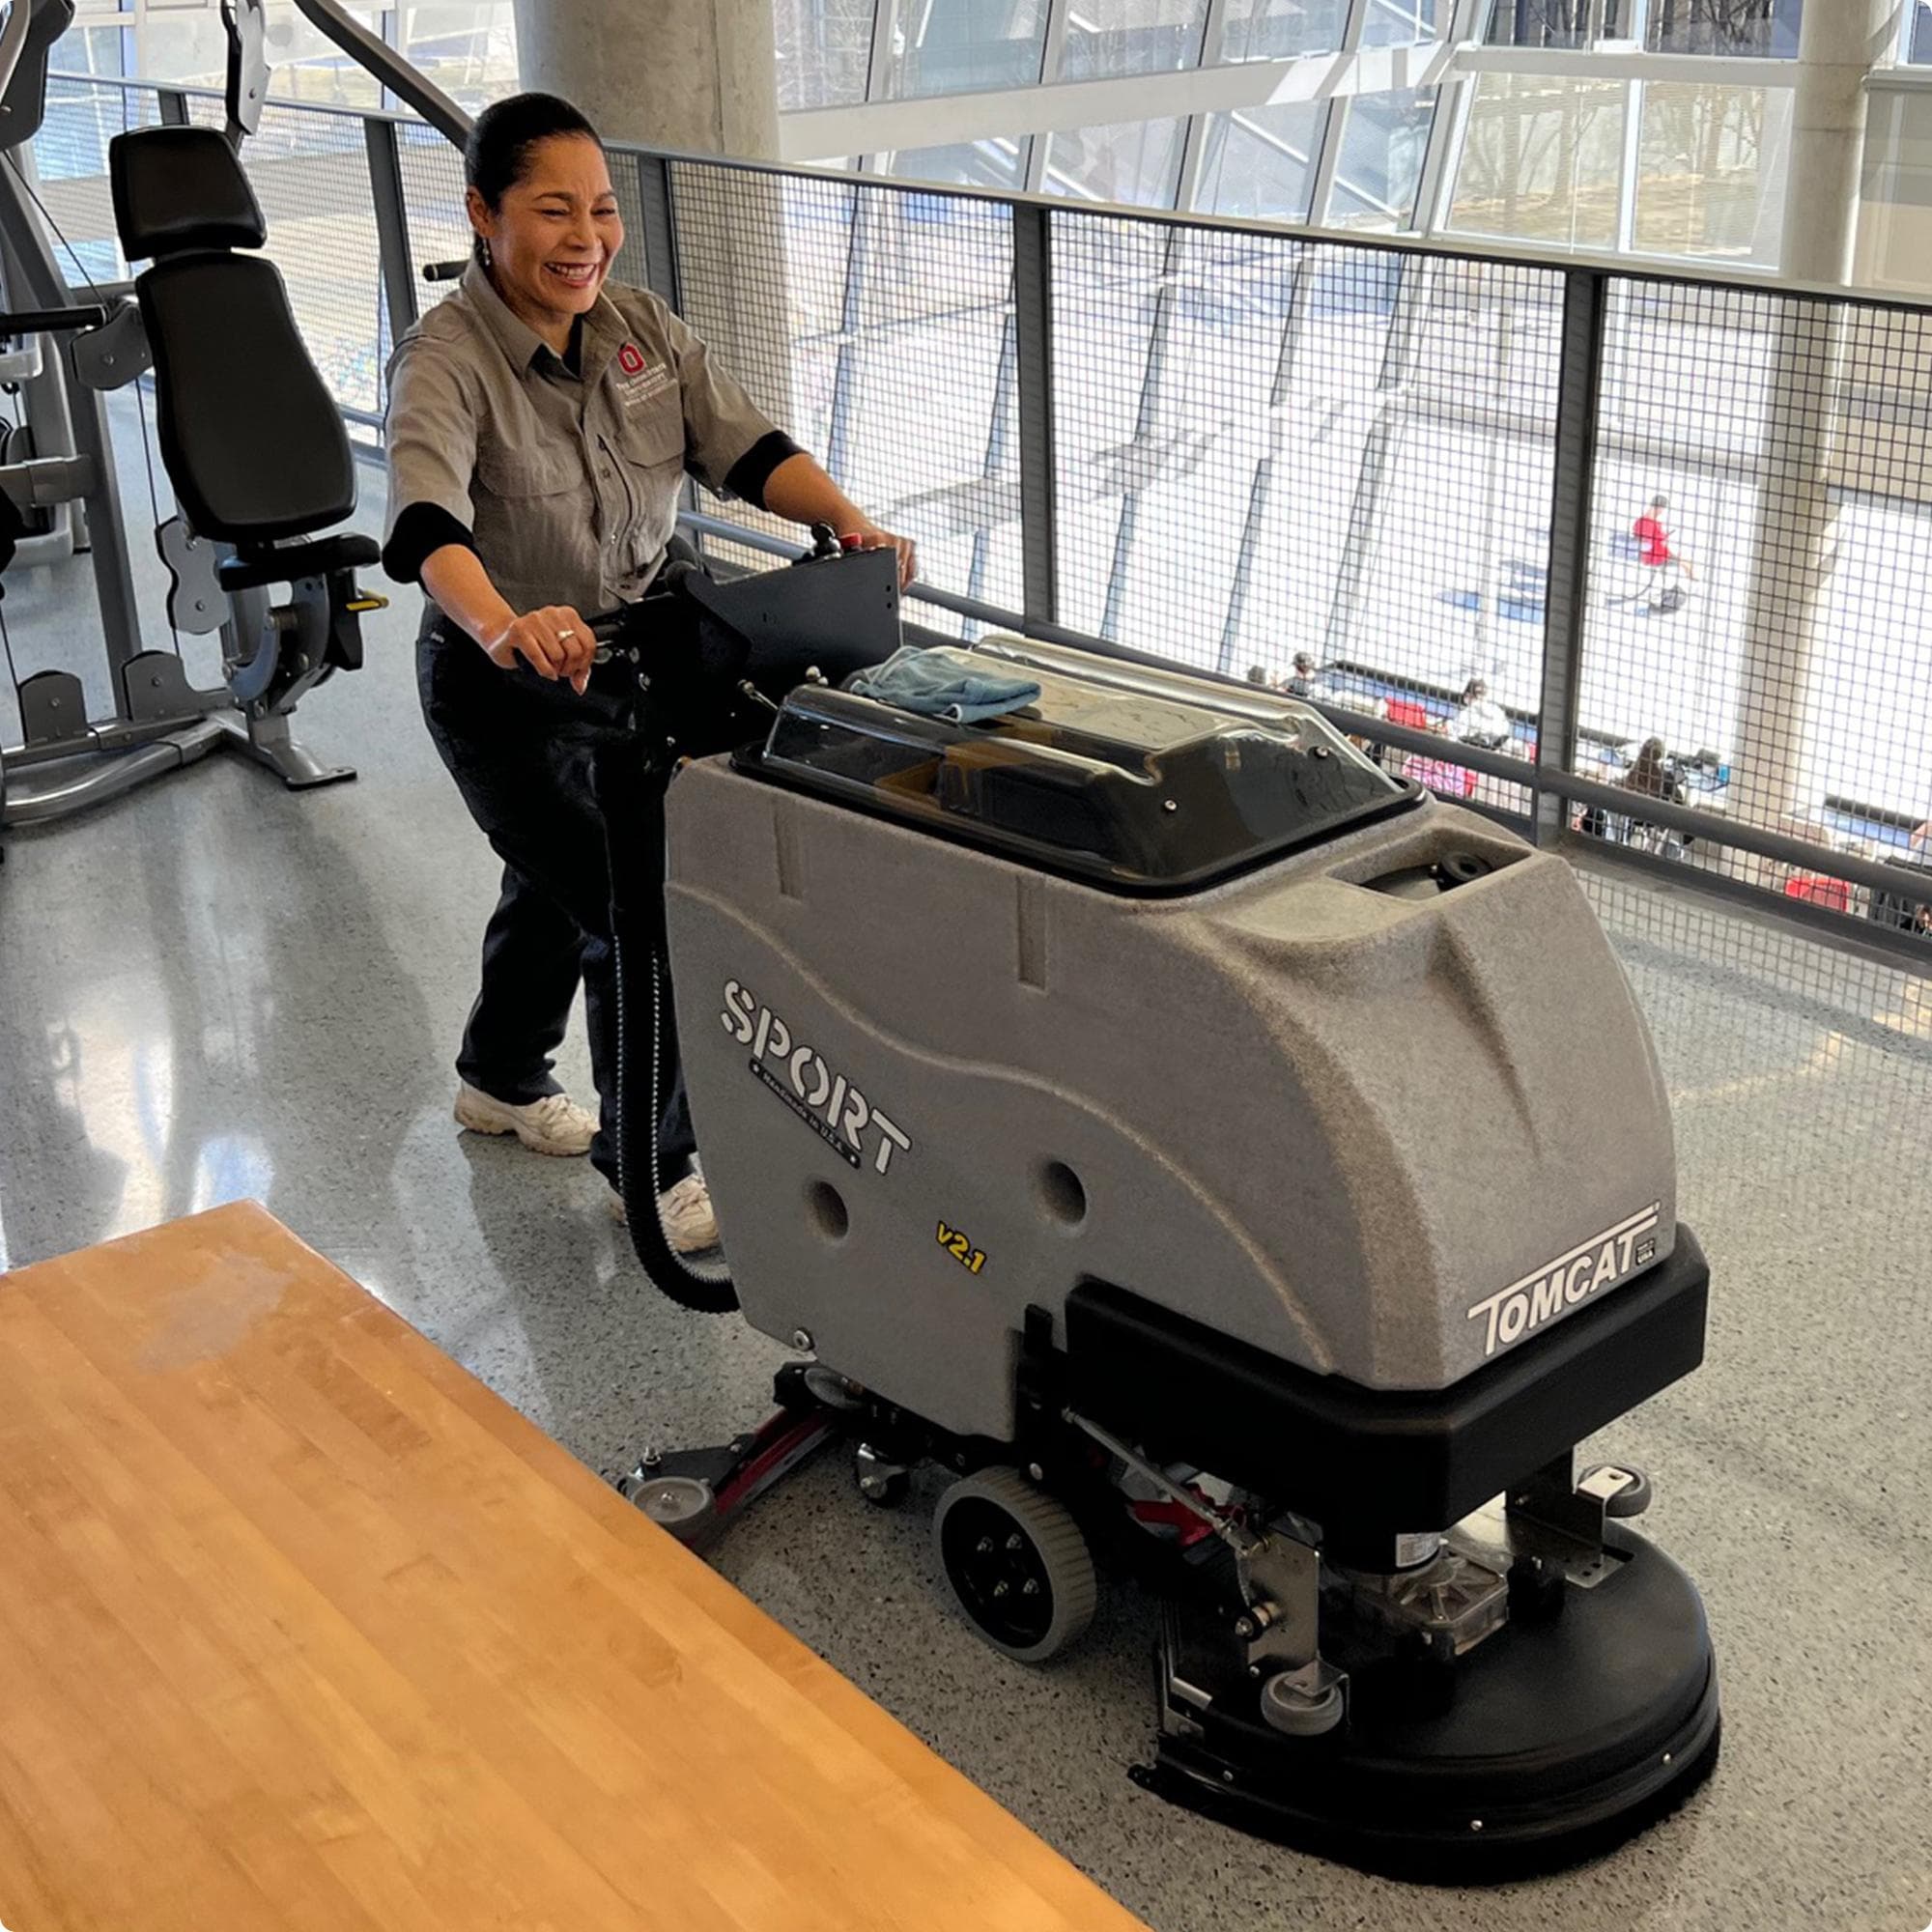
554	642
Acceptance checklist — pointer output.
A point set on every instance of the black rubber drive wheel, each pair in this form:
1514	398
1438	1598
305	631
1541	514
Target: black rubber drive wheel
1016	1564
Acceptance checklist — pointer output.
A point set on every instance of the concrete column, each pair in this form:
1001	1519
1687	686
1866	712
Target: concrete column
1841	42
700	76
1795	543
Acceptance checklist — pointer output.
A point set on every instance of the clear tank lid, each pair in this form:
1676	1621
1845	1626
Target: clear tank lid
1140	779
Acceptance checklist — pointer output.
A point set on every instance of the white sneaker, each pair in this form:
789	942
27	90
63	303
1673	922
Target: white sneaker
554	1124
690	1225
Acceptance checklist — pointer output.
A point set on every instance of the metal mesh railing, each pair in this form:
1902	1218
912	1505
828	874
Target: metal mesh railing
895	357
1338	467
70	158
1640	557
432	179
1255	440
311	172
1757	640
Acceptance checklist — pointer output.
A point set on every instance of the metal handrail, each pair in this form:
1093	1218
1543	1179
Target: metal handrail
189	90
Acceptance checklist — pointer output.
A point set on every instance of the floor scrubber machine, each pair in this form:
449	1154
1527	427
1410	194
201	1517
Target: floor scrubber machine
1230	1162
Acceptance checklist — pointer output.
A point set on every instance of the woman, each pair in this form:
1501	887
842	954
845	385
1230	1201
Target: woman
541	423
1654	777
1481	722
1652	774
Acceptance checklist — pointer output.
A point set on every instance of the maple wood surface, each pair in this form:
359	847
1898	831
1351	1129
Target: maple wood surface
301	1626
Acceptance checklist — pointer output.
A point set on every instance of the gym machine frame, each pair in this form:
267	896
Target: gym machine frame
160	721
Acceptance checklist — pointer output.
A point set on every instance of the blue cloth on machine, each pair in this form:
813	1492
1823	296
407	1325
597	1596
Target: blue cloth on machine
944	683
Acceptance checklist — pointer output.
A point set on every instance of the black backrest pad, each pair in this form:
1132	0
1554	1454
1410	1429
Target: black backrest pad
177	188
252	440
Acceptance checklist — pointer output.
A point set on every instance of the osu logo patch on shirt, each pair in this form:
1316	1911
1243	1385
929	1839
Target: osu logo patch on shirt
639	377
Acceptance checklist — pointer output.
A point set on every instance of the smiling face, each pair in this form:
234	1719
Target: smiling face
554	235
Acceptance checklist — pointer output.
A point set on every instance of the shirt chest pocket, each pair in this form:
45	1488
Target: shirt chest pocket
517	474
651	436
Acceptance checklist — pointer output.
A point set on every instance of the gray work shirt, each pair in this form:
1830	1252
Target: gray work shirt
568	483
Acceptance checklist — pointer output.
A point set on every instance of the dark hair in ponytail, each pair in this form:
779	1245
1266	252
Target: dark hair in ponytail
497	156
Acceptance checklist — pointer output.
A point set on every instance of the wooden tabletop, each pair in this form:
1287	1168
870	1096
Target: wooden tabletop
301	1626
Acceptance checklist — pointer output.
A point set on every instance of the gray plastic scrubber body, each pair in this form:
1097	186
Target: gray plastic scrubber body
1332	1120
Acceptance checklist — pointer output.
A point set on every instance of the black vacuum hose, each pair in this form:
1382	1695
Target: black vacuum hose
629	795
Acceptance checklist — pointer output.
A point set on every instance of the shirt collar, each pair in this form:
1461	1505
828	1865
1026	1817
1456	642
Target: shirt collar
513	335
605	330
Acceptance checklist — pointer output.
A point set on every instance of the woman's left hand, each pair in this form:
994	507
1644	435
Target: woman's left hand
872	537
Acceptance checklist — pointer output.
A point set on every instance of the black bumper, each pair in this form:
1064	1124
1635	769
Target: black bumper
1365	1463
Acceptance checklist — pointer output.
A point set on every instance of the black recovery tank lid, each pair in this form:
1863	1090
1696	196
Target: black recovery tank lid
1144	780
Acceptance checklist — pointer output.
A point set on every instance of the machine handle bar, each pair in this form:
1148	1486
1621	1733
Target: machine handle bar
51	320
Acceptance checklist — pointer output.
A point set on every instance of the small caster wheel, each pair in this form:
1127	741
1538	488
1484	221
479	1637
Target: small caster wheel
1295	1712
884	1489
1632	1498
680	1505
1016	1564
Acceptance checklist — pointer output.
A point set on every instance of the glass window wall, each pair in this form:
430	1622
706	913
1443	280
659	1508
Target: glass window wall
1540	159
1109	38
1379	167
1281	29
1543	160
963	46
1260	164
1403	23
824	49
1710	171
1559	24
1726	26
95	45
1137	162
308	65
991	164
469	49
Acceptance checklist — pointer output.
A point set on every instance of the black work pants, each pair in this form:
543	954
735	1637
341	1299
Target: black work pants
521	749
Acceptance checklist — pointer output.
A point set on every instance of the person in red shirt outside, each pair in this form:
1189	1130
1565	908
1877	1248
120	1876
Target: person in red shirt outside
1652	542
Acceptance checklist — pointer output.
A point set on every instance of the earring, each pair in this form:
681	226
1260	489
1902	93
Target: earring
483	244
